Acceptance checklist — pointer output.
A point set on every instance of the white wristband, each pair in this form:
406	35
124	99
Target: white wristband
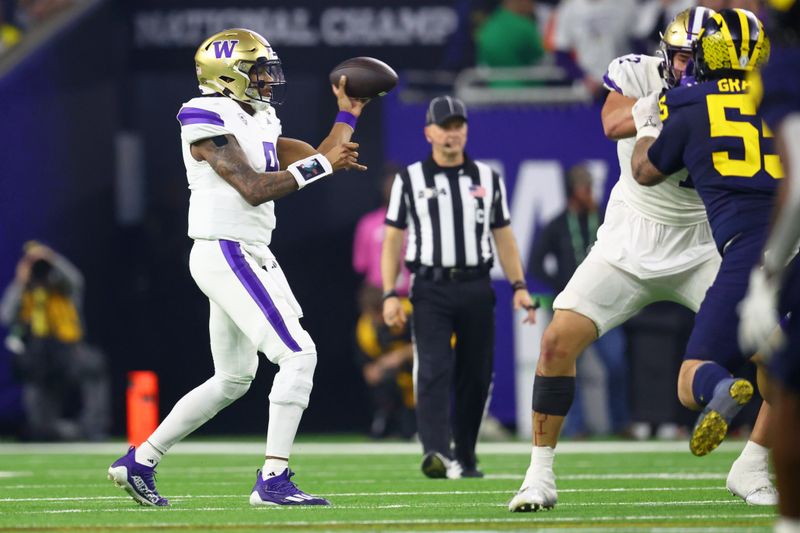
310	169
648	131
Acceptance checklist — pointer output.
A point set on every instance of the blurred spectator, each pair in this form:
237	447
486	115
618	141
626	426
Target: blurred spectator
42	309
17	17
9	34
568	238
716	5
32	12
510	37
653	17
386	357
756	6
588	34
368	240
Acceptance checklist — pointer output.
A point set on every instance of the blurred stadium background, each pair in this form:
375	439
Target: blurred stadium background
90	164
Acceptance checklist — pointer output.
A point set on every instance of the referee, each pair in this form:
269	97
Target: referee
451	206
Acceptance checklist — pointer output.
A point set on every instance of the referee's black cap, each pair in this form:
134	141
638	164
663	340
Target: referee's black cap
443	108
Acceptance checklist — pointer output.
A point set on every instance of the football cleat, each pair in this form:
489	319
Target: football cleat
749	480
437	466
138	480
535	495
730	395
280	490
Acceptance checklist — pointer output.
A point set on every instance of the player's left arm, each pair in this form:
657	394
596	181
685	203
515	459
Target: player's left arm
508	253
616	116
660	140
349	111
293	150
758	309
785	233
644	172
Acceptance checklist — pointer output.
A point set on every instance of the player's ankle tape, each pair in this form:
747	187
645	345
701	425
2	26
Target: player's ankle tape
310	169
648	131
553	395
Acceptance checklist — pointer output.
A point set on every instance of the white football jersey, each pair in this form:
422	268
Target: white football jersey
216	209
668	202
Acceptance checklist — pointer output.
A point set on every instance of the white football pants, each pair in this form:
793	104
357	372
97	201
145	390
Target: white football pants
252	309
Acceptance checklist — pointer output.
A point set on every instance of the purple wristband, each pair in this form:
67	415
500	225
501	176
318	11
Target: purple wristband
347	118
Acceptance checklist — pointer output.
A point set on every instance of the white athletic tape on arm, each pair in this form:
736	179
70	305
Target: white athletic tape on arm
310	169
648	131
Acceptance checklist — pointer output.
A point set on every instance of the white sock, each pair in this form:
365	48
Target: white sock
147	454
282	429
274	467
541	459
787	525
196	408
753	450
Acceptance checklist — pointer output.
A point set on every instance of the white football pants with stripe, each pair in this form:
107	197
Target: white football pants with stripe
252	309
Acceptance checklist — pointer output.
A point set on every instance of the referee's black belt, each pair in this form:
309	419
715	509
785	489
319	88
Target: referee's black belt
446	274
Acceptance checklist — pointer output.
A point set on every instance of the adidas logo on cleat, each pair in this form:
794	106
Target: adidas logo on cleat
142	488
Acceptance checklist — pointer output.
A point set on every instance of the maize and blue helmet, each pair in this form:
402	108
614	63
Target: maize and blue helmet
731	44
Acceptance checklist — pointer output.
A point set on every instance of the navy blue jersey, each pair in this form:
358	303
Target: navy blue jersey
780	85
714	130
778	88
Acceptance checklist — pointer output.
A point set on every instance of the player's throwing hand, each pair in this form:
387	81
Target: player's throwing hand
353	106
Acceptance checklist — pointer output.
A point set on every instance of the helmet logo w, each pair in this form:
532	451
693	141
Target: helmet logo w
224	48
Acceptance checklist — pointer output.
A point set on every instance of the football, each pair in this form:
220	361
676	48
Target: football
367	77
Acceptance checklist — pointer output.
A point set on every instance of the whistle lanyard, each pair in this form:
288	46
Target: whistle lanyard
579	247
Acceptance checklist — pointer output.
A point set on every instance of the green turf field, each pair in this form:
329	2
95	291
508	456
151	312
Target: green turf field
602	487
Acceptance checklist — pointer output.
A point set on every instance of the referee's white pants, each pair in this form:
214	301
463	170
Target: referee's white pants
252	309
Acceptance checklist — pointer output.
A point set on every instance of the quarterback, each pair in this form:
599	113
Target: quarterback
237	164
654	245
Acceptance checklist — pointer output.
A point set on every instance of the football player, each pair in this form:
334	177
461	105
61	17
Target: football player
237	164
773	285
714	130
654	245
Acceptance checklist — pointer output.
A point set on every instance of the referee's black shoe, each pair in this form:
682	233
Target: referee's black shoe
471	472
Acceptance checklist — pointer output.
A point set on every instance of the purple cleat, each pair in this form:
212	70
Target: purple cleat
138	480
279	490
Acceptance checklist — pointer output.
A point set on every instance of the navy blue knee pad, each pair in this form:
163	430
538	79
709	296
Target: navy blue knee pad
553	395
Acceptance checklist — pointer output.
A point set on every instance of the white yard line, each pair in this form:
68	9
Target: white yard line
686	503
362	494
646	475
357	448
6	475
659	476
542	517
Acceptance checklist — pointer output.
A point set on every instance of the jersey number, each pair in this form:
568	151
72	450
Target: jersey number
722	127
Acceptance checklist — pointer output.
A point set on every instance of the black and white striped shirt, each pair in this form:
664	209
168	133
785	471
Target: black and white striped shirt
449	212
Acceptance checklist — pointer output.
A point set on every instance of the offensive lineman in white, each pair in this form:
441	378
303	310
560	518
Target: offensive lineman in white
654	245
237	164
